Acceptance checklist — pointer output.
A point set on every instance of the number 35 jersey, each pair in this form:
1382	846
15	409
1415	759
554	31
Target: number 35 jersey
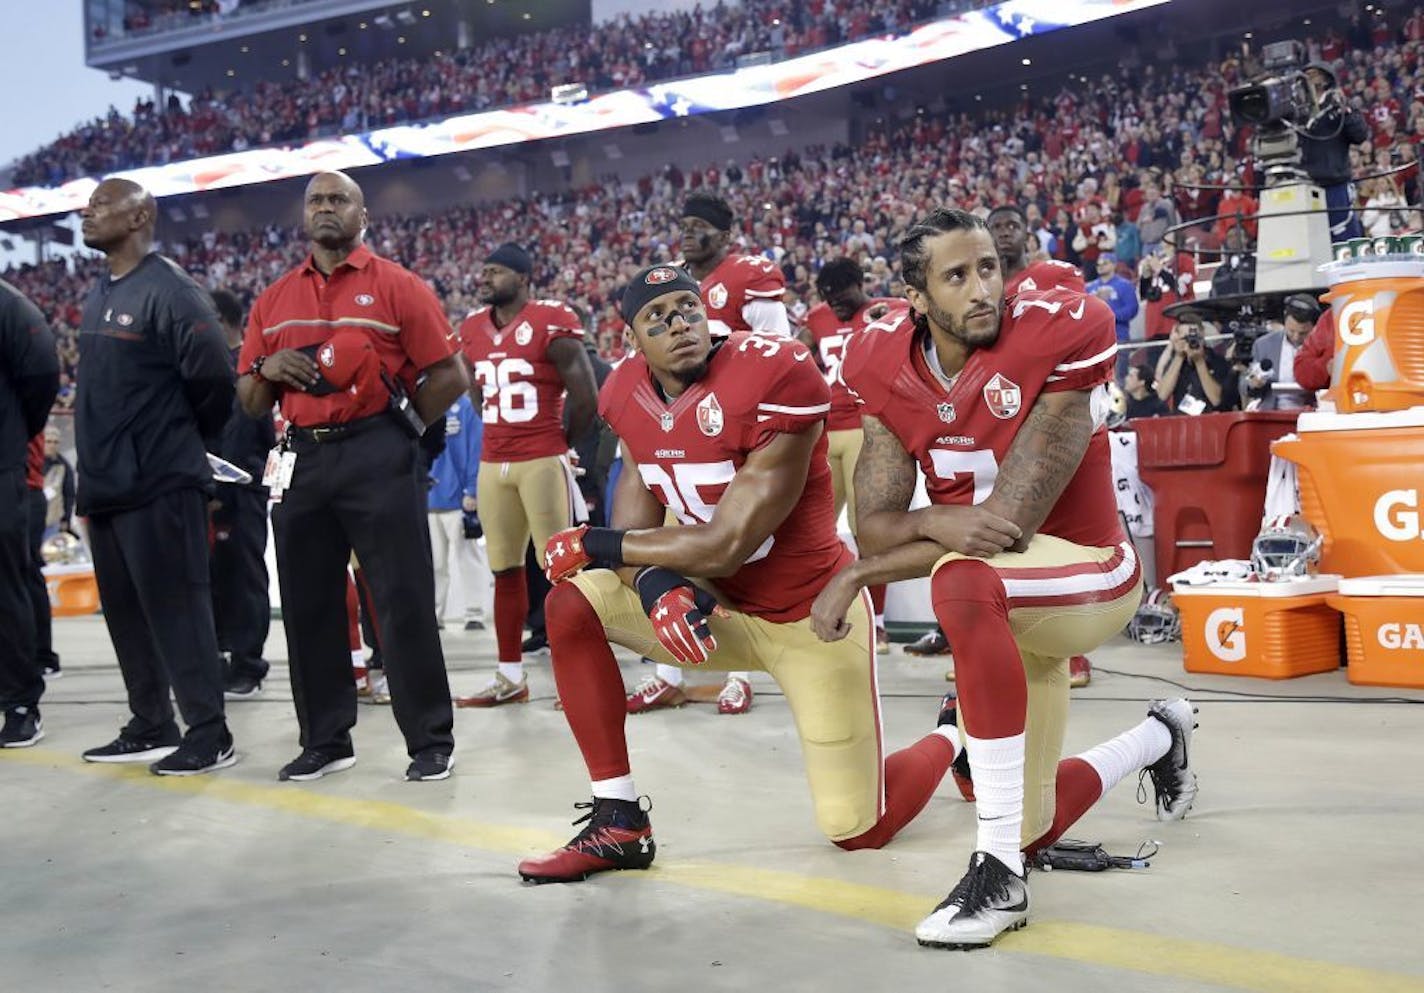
523	393
1048	342
689	449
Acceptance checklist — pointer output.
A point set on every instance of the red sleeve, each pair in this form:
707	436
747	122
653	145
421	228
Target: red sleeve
761	279
425	330
866	361
1084	333
1312	365
796	398
254	342
560	321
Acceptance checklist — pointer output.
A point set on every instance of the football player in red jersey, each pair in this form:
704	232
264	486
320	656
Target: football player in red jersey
1009	226
526	355
728	437
1027	558
844	310
739	293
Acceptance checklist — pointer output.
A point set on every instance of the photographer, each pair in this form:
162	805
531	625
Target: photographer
1325	150
1194	377
1273	359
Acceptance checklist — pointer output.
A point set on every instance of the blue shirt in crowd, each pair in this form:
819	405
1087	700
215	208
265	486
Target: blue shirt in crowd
1122	299
457	468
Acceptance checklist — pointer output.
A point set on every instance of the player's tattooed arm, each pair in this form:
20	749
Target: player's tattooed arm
884	485
1041	461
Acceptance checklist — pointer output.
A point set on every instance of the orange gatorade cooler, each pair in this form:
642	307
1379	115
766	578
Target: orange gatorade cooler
1362	487
1384	629
1379	333
72	589
1271	630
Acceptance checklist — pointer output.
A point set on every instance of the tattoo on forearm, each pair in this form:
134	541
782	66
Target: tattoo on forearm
1044	455
884	472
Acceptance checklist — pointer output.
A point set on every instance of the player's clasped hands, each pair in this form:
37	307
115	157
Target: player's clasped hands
971	531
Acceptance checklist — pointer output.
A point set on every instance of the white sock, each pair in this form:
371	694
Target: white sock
1120	757
512	671
357	660
617	788
880	620
997	765
670	674
949	733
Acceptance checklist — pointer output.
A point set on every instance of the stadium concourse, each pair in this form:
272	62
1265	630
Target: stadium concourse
1291	875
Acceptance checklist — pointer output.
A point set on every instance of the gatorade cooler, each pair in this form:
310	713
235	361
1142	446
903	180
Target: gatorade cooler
1379	333
1270	630
1208	479
72	590
1384	629
1362	487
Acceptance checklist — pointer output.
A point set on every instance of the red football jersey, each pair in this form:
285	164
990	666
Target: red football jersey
1045	275
689	450
830	334
523	405
737	281
1050	341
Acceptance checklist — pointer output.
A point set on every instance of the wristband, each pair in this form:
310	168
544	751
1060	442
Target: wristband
604	547
255	369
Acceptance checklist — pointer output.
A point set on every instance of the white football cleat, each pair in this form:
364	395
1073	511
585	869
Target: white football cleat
988	901
1173	781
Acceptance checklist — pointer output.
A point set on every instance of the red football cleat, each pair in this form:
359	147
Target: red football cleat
1080	671
736	696
655	693
618	836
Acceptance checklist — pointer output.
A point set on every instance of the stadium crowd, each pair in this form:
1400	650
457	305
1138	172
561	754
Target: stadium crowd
352	97
1102	168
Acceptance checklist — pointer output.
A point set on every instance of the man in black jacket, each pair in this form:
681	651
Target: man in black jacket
157	390
29	380
242	607
1325	150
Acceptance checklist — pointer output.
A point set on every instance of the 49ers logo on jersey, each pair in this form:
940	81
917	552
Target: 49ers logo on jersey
717	297
709	416
524	334
1003	397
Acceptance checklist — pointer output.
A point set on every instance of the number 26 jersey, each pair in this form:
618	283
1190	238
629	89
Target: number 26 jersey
689	449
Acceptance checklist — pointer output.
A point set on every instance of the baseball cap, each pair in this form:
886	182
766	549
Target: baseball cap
346	360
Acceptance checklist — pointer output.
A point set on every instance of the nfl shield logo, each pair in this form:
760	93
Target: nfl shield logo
946	412
524	333
717	297
666	420
709	416
1003	397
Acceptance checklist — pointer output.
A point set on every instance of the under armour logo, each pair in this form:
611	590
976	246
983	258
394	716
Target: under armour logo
660	614
645	844
559	548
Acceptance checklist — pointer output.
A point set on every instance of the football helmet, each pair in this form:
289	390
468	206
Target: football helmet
1156	621
64	548
1285	548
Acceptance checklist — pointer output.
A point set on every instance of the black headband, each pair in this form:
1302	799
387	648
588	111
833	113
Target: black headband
511	256
714	212
651	283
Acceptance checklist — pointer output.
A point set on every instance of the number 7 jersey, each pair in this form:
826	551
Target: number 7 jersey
523	393
1049	341
688	451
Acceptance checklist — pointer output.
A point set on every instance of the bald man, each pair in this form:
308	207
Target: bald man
358	352
157	389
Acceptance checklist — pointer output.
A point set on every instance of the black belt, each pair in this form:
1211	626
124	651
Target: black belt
324	433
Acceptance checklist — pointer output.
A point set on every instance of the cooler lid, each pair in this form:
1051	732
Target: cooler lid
1318	420
1302	586
1401	584
1358	269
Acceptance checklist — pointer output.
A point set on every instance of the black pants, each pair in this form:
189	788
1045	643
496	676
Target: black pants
151	565
363	492
39	592
539	586
21	679
242	608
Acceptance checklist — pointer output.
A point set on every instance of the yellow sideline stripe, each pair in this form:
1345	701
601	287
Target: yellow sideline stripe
1119	948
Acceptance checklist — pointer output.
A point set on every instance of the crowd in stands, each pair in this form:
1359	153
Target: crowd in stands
1102	169
356	97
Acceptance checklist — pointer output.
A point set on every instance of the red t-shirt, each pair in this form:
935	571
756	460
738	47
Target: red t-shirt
1050	341
738	280
394	307
523	392
830	334
688	451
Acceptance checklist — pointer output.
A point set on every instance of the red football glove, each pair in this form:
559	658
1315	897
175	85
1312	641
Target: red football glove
582	547
679	612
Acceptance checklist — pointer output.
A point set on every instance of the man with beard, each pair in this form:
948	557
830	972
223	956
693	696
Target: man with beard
158	388
527	356
357	351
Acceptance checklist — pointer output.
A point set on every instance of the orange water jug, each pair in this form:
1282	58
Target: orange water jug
1378	306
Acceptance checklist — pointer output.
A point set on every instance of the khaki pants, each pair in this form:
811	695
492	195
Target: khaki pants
520	500
843	448
831	689
1058	609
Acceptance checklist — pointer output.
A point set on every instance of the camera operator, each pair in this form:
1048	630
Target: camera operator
1195	377
1237	272
1273	359
1325	150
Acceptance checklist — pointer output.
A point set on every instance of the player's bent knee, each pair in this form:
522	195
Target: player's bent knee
962	590
845	825
568	608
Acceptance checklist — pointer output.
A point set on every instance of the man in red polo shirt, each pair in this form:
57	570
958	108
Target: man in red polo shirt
354	346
